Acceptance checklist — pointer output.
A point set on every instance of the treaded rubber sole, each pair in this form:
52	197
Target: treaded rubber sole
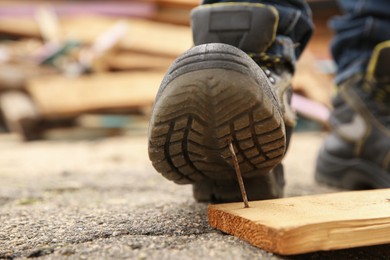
352	174
211	95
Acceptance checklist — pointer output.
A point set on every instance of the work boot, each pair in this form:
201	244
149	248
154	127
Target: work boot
357	153
225	89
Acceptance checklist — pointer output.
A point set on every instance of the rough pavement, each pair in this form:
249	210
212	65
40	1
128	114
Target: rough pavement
103	200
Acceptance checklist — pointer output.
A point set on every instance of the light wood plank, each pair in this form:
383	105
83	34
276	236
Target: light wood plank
59	96
298	225
143	36
135	61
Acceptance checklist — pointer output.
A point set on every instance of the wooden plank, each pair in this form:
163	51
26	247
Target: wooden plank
59	96
14	76
20	26
143	35
298	225
125	60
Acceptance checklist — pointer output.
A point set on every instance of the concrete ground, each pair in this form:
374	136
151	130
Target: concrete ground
103	200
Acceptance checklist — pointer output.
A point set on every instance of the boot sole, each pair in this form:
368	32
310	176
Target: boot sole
351	174
211	95
265	186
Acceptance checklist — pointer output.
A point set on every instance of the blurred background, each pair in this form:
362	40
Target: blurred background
90	69
77	85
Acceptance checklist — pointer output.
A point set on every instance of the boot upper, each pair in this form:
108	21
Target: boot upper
361	116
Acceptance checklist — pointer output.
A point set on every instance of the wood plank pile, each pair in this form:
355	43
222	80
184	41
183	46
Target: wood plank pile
71	58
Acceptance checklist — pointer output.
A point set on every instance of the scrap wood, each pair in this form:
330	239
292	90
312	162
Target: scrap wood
14	76
128	60
143	35
80	133
305	224
21	26
59	96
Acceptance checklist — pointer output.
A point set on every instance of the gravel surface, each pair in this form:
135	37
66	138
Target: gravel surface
103	200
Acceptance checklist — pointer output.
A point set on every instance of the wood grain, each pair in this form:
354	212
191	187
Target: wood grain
310	223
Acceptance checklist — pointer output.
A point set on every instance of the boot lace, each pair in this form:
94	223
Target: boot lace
270	64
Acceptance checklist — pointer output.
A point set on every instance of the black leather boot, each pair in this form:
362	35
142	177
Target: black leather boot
225	89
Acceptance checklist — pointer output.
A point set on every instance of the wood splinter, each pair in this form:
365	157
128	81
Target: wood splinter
239	176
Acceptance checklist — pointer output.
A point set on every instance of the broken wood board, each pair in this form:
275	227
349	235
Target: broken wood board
125	60
14	76
143	36
305	224
59	96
